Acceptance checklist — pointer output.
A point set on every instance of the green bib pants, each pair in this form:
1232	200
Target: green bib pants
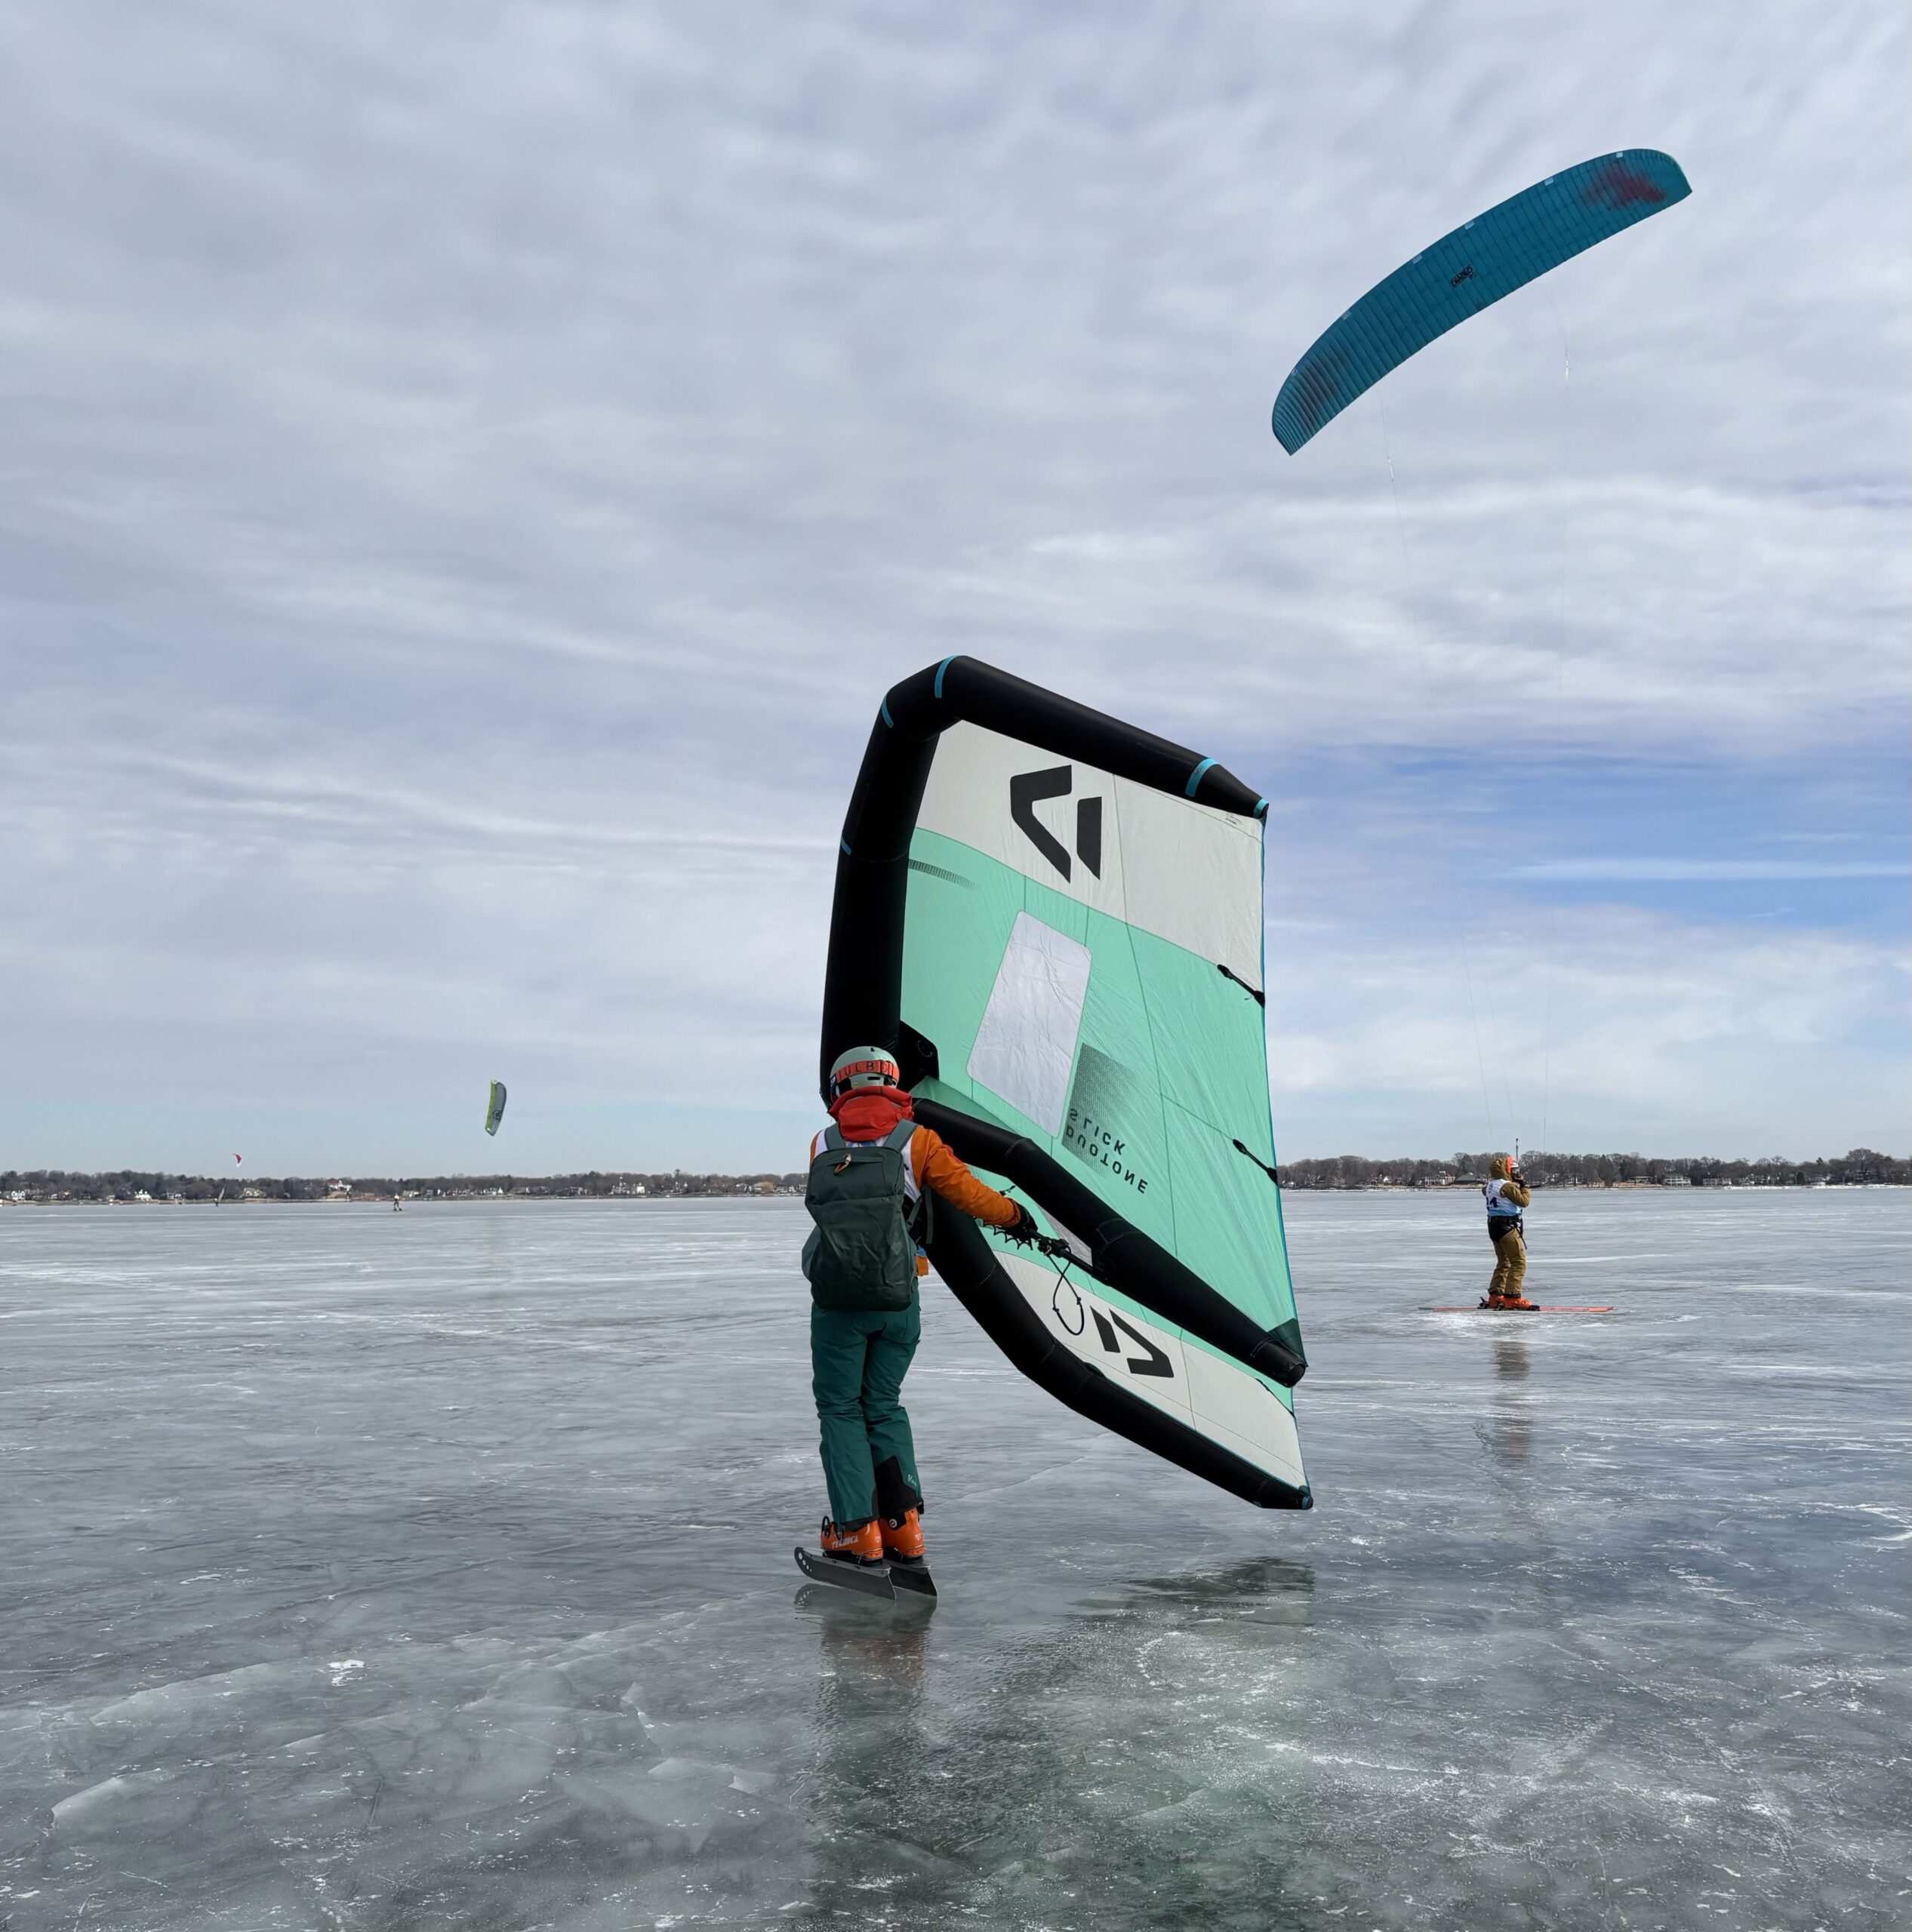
857	1360
865	1322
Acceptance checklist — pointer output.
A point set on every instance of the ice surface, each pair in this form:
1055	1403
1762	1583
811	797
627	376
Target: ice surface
372	1570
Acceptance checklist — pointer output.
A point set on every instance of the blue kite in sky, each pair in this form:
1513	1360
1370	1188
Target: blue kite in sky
1464	272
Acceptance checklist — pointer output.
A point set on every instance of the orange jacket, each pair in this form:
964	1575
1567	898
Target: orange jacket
934	1165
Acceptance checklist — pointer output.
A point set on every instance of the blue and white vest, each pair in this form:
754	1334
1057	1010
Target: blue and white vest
1502	1213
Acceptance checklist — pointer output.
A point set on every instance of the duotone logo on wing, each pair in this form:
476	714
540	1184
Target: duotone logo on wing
1027	790
1117	1335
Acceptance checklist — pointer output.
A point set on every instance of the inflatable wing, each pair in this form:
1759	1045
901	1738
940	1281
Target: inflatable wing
494	1107
1464	272
1054	921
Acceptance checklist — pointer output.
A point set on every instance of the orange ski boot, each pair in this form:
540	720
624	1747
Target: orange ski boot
903	1537
1517	1301
853	1543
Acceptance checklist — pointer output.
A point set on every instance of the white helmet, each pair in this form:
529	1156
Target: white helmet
863	1067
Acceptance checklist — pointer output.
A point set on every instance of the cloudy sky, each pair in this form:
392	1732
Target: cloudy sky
470	471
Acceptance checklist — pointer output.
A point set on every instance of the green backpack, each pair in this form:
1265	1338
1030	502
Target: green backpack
861	1256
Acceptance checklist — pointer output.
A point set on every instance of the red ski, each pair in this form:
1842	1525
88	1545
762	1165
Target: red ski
1542	1308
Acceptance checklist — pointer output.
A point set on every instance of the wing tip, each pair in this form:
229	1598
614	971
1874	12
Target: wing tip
1292	436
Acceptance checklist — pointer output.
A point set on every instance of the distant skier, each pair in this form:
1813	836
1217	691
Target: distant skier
868	1170
1507	1195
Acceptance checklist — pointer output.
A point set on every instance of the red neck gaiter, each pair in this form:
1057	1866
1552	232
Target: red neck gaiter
870	1112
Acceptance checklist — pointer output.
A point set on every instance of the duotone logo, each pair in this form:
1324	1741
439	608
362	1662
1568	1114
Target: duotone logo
1150	1362
1073	1313
1028	789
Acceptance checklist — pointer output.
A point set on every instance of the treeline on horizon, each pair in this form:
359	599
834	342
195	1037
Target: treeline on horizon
1861	1167
127	1184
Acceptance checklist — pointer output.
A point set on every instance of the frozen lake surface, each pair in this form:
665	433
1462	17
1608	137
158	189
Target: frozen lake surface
432	1570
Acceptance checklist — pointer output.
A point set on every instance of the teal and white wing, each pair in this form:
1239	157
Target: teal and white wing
1066	913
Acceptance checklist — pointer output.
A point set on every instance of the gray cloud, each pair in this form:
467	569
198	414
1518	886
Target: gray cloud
470	471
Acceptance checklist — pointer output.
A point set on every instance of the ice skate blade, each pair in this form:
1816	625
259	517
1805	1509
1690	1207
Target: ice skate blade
869	1579
913	1580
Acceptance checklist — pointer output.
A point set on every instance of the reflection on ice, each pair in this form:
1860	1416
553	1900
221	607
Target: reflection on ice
1509	1437
433	1571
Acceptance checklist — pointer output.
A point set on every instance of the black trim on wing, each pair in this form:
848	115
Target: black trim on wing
968	1264
1273	1173
1254	992
863	982
1122	1256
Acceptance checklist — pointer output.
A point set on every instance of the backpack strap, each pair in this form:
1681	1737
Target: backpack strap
918	1218
898	1137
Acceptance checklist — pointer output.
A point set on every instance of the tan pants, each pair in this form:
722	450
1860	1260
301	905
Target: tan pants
1509	1264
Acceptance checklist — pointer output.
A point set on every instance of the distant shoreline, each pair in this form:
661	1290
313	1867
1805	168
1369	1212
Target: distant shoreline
1333	1174
526	1197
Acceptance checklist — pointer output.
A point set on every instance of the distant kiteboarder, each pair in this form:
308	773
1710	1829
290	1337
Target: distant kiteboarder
1508	1197
868	1169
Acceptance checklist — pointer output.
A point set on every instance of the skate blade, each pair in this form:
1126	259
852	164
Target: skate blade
911	1579
866	1580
